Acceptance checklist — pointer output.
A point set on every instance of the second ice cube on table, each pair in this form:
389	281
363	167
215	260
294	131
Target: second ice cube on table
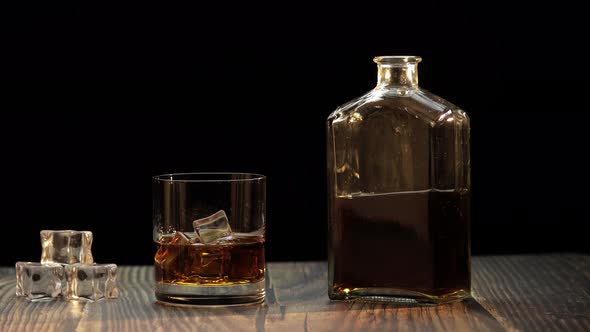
212	228
91	282
66	247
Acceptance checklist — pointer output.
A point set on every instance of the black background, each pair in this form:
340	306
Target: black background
104	96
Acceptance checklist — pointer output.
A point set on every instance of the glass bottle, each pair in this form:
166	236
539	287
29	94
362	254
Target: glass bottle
399	179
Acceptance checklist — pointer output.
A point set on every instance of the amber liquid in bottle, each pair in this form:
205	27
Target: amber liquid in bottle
407	242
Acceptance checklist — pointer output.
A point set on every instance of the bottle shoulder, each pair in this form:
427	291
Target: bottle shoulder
418	103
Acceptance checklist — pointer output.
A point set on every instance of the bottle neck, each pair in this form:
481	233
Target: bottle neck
398	75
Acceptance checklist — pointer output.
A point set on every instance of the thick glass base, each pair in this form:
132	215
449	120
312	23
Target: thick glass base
399	296
210	295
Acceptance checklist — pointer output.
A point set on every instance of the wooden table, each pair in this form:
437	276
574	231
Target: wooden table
529	293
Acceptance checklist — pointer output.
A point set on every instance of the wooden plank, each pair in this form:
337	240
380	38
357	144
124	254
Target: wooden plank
18	314
523	292
540	293
296	301
300	290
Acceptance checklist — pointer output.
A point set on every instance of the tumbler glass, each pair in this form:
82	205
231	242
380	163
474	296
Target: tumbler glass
209	229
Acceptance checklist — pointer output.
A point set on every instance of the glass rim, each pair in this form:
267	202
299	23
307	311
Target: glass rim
214	177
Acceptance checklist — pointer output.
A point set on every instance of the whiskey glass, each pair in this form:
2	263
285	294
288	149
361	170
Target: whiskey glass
209	231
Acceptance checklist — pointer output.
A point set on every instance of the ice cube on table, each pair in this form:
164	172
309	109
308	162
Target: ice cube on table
212	228
91	282
39	282
66	247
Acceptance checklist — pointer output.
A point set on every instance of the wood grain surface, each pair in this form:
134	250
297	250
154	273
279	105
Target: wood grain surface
535	293
529	293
